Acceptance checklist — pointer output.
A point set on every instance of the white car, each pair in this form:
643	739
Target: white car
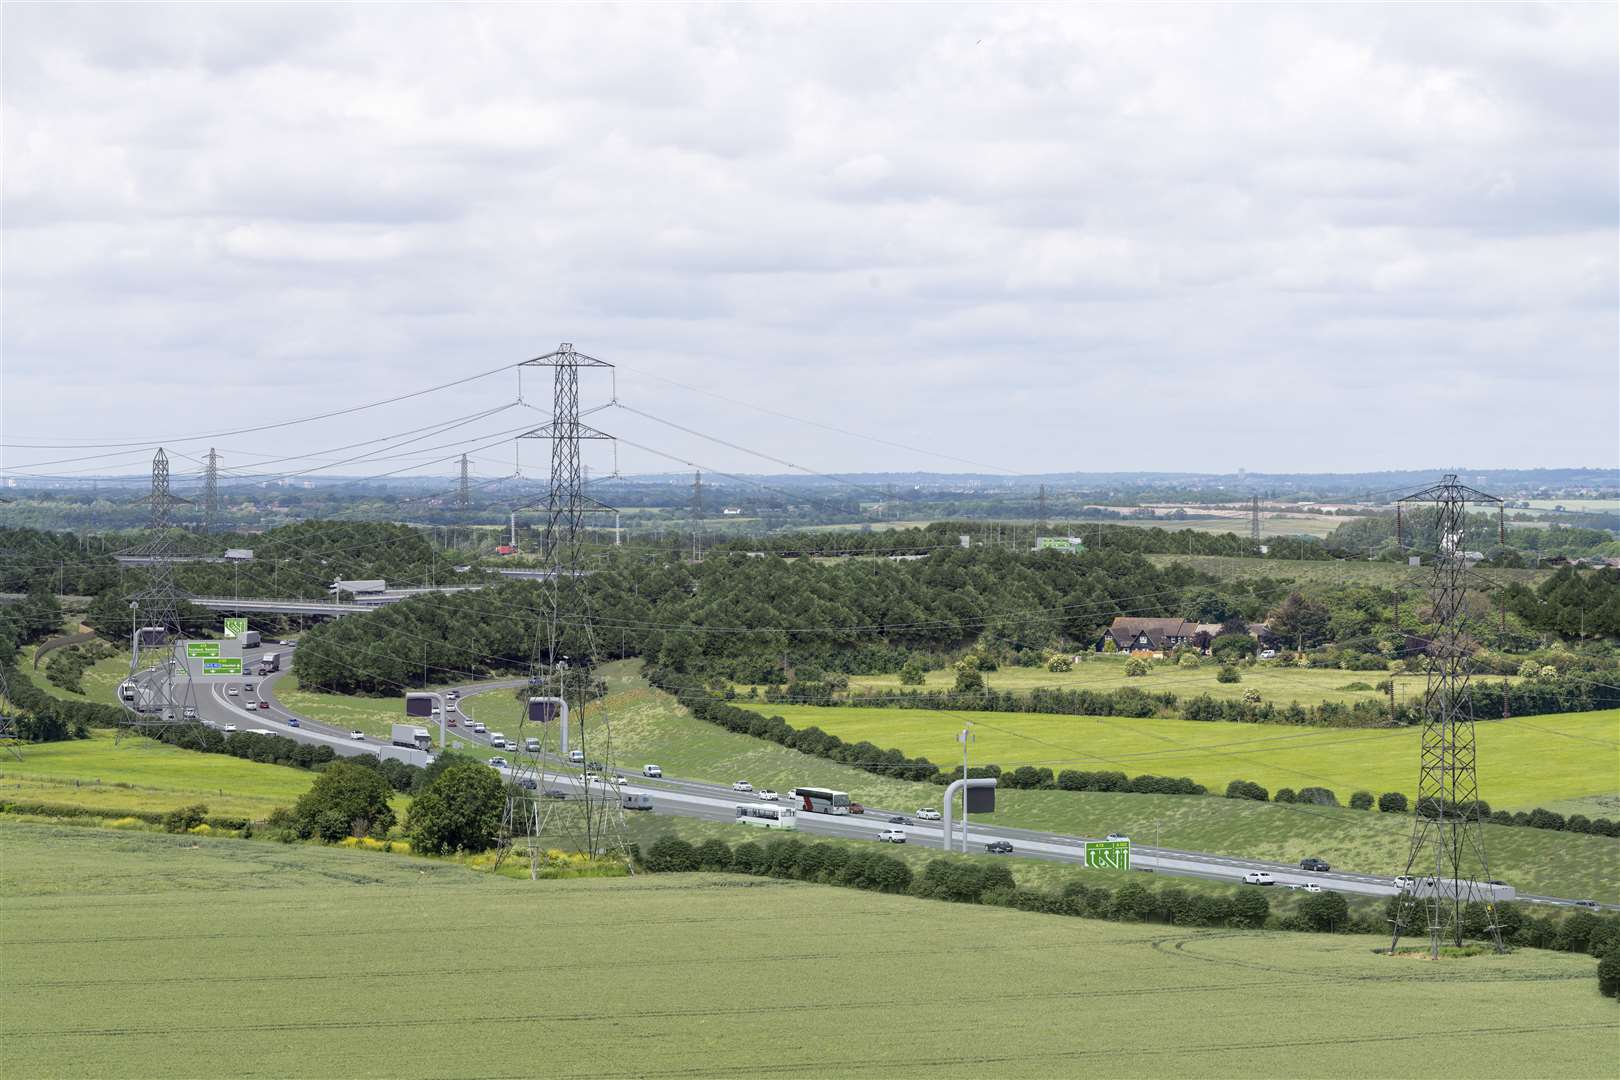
928	813
1311	886
593	778
358	736
742	785
233	691
1405	881
892	836
497	763
767	795
1268	654
1116	838
479	729
230	729
1259	877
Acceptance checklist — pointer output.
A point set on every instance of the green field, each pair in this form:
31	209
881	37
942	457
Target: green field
1523	762
144	955
141	774
1276	683
100	680
372	715
1326	572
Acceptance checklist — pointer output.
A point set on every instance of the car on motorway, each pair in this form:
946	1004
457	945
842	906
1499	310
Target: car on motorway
230	729
248	703
358	736
1589	905
497	762
999	847
288	644
928	813
1116	838
652	771
1405	881
1315	865
292	721
529	783
264	704
892	836
191	712
479	729
898	820
1311	886
556	793
596	766
531	745
741	785
233	691
248	687
766	795
1259	877
576	757
498	740
856	808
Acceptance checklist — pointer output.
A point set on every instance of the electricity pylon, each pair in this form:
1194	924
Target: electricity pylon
1446	868
161	692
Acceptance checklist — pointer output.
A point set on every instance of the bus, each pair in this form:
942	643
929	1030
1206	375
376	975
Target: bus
768	816
822	800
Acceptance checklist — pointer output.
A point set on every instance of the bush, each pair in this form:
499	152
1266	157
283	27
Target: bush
184	818
1392	802
1250	909
460	810
1228	674
1285	794
346	799
1247	789
714	854
1325	912
749	858
1060	662
1361	800
1132	903
1546	819
912	673
1136	667
1251	696
1189	660
671	855
968	678
1609	973
1317	796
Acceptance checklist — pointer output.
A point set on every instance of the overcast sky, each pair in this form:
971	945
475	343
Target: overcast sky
1040	239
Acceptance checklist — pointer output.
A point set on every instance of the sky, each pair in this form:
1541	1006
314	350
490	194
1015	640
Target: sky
867	238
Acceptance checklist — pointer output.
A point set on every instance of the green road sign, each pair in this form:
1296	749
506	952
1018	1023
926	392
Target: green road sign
202	648
223	665
1108	854
235	628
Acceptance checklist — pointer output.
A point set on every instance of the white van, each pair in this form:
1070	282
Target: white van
497	739
576	757
652	770
531	745
479	729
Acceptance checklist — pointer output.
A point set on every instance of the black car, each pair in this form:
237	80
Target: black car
595	766
556	793
1320	866
528	782
999	847
899	821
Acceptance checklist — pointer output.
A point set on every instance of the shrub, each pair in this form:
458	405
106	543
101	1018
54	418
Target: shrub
185	818
748	858
1609	973
912	674
1317	796
1247	789
1132	903
1251	696
1285	794
1228	674
1189	660
346	799
714	854
1109	646
460	810
968	678
1546	819
1250	909
671	855
1392	802
1060	662
1361	800
1577	823
1325	912
1136	667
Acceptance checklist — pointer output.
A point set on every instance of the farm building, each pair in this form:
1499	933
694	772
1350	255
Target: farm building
1131	634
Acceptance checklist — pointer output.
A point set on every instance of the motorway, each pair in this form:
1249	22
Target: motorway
717	802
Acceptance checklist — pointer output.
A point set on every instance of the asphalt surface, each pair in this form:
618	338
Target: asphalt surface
718	802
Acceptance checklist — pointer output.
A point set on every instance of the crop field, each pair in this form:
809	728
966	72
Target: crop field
142	954
142	774
1523	762
1276	683
1327	572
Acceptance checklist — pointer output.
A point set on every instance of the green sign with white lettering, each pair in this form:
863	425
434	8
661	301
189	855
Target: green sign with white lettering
223	665
1108	854
202	648
235	628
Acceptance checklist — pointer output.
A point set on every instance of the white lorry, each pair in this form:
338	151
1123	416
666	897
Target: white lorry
413	737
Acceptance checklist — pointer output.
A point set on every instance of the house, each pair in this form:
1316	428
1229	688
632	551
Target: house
1131	634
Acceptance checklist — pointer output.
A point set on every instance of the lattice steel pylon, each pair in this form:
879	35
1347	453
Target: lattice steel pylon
461	493
1446	868
565	655
160	692
211	492
9	735
1254	521
697	516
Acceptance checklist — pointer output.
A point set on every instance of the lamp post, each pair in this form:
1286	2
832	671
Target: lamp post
965	736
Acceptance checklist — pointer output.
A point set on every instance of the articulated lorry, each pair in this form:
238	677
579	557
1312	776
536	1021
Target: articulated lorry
409	735
270	661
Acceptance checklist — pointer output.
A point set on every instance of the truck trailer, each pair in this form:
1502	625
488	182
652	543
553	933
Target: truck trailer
269	662
413	737
250	639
